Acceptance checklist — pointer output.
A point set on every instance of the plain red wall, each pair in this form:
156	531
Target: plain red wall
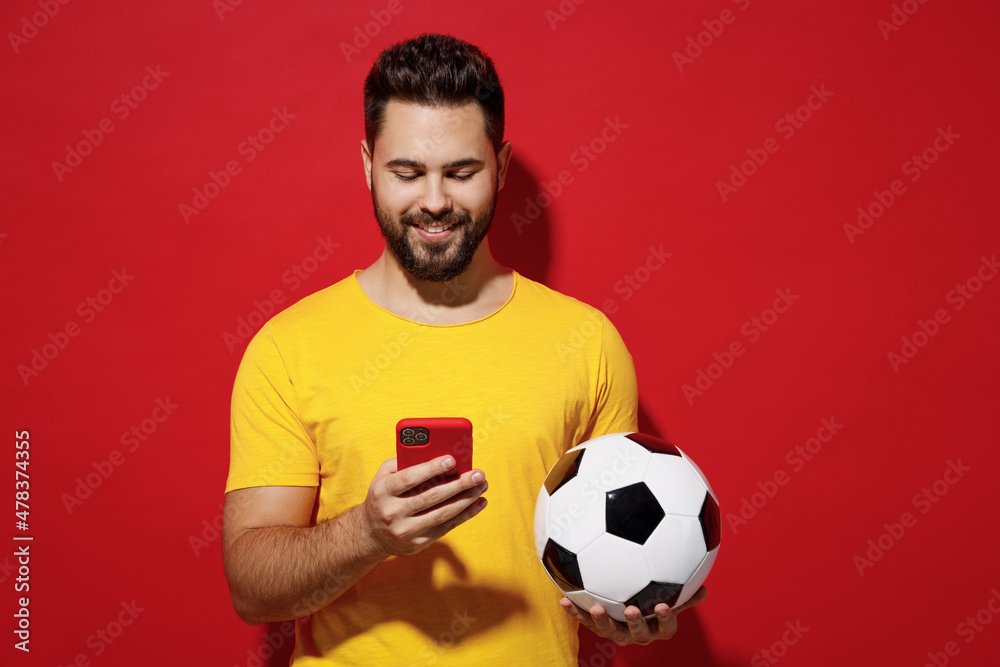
682	125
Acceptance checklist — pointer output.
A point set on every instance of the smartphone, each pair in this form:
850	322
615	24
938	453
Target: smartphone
419	440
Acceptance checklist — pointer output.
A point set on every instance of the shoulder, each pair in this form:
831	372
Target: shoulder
316	308
309	319
566	318
541	297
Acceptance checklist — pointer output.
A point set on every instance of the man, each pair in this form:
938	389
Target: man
378	567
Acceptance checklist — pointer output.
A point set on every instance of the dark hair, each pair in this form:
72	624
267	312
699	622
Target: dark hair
434	70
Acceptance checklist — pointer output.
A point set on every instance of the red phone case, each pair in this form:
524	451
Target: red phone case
445	435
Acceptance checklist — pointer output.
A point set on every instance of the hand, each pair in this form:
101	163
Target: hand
405	514
635	630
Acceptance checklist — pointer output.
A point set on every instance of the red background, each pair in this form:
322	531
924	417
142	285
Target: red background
680	131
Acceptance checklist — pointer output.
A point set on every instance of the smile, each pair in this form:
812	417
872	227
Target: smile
437	229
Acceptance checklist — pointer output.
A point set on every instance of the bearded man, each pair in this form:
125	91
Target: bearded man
376	566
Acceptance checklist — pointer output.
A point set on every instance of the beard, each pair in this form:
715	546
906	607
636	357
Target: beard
434	261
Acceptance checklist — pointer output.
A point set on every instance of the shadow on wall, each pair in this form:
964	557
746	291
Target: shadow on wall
688	648
520	237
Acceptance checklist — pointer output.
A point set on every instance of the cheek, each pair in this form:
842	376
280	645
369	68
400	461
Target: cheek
393	195
478	196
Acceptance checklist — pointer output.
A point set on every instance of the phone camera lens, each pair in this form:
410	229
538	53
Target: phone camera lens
407	432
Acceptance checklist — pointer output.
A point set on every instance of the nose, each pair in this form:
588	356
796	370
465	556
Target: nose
435	200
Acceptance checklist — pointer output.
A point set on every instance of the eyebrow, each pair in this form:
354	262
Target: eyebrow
416	164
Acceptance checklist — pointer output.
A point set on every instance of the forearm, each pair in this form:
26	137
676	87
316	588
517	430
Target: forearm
281	573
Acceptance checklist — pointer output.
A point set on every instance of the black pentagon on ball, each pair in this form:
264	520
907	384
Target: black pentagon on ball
563	566
711	523
632	512
654	444
653	594
564	470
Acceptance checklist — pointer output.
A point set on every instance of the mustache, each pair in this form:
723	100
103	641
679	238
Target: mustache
425	218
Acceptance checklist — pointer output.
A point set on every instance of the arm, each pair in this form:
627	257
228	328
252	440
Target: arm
280	568
277	564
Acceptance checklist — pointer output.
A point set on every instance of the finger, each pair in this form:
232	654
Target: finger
666	622
431	501
425	500
452	513
608	626
637	627
573	610
695	600
578	614
417	474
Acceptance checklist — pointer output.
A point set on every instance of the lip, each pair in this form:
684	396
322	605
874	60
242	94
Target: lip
434	237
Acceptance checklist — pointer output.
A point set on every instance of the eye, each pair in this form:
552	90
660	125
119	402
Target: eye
462	177
406	178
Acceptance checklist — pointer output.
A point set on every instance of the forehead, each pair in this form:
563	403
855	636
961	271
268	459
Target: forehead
432	134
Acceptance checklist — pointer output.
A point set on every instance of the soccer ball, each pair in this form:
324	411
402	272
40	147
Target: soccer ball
627	519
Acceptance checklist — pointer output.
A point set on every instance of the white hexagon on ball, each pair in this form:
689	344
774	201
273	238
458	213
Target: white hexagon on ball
676	485
613	568
675	549
571	519
603	468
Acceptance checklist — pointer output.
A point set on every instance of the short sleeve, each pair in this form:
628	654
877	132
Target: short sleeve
269	446
616	405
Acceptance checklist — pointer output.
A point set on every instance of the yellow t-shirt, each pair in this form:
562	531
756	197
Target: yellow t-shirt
316	401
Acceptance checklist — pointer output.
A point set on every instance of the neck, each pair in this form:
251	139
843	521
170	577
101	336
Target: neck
476	292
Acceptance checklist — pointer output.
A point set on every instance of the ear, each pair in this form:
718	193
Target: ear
366	157
503	160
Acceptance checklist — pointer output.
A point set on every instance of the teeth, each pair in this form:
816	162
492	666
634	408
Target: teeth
435	230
